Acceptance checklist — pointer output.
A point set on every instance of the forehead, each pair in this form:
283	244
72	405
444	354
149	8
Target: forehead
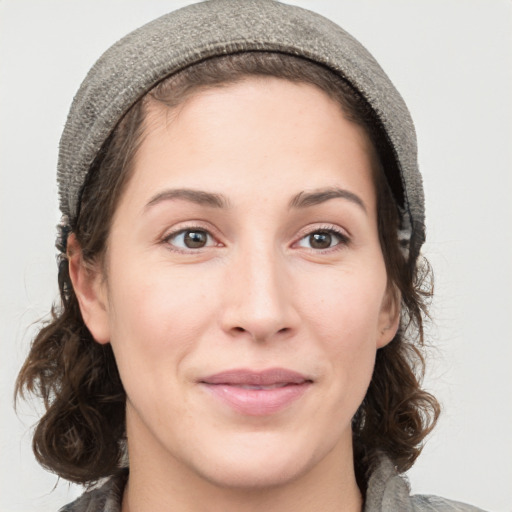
259	132
252	103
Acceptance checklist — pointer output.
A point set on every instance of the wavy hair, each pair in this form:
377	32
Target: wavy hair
81	436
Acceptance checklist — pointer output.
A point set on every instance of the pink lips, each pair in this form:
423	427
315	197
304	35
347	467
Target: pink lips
257	393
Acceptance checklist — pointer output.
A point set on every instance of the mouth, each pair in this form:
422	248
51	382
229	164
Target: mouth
257	393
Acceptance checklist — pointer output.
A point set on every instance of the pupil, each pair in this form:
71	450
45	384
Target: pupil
195	239
320	240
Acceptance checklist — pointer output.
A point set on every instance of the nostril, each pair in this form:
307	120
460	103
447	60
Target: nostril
239	329
284	330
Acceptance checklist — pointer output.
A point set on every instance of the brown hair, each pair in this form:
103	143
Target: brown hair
81	435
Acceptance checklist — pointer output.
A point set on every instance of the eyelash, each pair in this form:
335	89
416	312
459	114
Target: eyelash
343	239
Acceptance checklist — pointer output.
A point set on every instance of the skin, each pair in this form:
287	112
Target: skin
257	295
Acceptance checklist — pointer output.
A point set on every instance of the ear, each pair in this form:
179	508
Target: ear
90	290
389	317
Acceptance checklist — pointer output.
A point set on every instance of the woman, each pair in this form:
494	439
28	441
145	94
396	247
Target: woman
242	294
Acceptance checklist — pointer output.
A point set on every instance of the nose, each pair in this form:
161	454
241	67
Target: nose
259	302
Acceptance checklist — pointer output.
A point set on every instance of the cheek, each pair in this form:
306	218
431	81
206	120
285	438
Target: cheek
344	304
157	318
342	312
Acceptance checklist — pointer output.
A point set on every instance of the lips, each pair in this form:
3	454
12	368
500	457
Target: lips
257	393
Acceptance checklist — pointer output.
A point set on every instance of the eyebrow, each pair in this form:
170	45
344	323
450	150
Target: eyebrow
194	196
301	200
305	199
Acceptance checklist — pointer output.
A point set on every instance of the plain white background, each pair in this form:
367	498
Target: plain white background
450	59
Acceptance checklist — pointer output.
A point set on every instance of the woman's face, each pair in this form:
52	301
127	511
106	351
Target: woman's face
245	292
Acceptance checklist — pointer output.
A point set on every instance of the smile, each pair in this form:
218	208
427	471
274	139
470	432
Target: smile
257	393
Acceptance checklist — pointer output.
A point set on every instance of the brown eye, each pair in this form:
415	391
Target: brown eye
195	239
323	239
191	239
320	240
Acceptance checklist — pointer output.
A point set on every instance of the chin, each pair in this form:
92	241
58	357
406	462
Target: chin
247	475
259	461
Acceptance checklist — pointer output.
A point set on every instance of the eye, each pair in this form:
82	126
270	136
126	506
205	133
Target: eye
322	239
191	239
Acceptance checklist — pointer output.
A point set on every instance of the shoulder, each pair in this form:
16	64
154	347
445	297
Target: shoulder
105	497
389	492
427	503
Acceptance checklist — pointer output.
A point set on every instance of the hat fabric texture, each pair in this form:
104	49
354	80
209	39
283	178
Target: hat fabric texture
133	65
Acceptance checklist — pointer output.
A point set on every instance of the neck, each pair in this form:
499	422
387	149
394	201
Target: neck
300	496
160	482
